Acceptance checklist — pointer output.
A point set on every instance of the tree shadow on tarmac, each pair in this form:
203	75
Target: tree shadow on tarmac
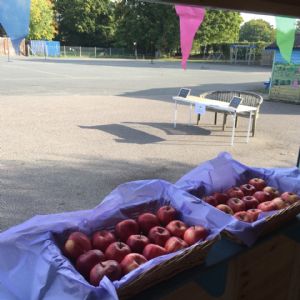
131	135
156	64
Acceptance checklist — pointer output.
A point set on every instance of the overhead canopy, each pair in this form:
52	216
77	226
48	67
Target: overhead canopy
14	17
272	7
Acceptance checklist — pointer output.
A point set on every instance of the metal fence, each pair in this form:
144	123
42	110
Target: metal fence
74	51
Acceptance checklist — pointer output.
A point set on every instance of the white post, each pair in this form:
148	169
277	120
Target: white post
233	128
65	51
109	51
249	126
175	114
95	52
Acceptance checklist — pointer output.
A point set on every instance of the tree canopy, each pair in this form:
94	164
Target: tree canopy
150	25
85	22
219	27
257	31
42	25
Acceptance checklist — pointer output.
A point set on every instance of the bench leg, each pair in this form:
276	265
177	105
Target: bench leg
224	121
216	118
198	118
253	125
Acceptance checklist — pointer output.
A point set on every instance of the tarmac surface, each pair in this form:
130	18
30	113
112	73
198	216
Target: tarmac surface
72	130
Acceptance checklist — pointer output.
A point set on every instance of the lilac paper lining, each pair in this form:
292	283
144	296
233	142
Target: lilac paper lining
34	267
223	172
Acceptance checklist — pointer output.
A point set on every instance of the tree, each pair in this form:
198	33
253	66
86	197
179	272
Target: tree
42	25
219	27
151	26
85	22
257	31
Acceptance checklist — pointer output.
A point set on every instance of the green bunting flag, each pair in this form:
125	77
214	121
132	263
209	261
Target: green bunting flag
285	36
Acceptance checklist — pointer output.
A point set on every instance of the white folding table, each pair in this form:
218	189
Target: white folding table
220	105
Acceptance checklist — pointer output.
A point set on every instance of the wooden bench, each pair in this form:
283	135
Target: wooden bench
248	98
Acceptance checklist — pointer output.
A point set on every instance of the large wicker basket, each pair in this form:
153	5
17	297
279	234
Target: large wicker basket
273	222
188	259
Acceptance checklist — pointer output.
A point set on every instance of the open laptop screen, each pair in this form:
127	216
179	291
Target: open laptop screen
235	102
183	93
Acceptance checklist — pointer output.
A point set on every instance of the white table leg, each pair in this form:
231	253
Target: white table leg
175	114
249	127
233	128
190	120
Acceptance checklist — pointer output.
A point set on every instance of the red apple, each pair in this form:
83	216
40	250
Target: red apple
152	251
272	191
243	216
211	200
146	221
86	261
235	192
258	183
225	208
262	196
159	235
117	251
109	268
77	244
102	239
175	243
220	197
131	262
248	189
166	214
267	206
290	197
254	213
177	228
250	202
280	203
194	234
126	228
137	242
236	204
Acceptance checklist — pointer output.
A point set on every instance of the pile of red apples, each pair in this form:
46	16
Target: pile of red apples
131	244
247	201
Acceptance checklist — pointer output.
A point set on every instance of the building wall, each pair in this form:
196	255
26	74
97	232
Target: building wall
6	47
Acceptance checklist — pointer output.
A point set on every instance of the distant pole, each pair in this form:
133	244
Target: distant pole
135	50
8	53
65	51
80	51
95	52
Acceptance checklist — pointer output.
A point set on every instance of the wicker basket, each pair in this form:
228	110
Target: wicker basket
273	222
188	259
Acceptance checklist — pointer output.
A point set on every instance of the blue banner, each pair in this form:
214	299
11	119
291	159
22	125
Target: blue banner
14	18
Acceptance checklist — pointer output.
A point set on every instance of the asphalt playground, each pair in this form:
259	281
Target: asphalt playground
71	130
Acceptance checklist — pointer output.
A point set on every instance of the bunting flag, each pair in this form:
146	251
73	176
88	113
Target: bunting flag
190	20
14	18
285	36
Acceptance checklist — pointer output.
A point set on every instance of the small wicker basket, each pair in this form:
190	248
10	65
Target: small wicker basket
273	222
187	259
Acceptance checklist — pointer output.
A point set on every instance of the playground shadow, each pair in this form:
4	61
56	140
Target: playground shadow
166	94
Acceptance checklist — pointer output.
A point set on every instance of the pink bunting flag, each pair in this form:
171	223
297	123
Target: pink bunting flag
190	20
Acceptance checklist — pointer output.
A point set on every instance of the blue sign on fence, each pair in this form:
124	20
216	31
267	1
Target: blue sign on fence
45	48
